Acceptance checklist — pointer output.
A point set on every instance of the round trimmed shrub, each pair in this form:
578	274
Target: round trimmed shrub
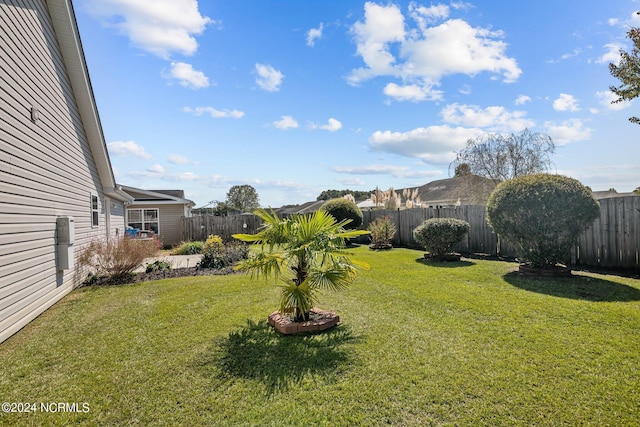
439	235
342	209
542	215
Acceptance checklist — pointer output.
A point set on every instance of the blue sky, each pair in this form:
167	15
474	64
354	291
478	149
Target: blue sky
296	97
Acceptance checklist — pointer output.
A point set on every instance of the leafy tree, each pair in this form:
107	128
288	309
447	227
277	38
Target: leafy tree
242	198
503	157
637	190
221	209
306	252
336	194
542	215
628	72
462	169
344	209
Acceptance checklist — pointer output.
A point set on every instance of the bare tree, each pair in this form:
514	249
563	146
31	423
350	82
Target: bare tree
502	157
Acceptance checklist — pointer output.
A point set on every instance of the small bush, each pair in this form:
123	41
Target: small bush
439	235
117	257
342	209
217	255
542	215
188	248
158	265
382	231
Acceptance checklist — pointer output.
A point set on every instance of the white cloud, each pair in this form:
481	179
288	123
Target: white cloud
494	118
427	15
382	25
161	27
612	54
426	54
522	99
178	159
332	125
433	144
156	169
269	78
377	169
412	92
187	76
606	99
214	113
187	176
314	34
127	149
568	131
566	102
286	122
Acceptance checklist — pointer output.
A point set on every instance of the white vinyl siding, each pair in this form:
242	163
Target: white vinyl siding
46	166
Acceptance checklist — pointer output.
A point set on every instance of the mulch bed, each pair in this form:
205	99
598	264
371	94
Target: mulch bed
158	275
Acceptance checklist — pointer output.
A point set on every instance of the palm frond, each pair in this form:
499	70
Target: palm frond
296	299
263	265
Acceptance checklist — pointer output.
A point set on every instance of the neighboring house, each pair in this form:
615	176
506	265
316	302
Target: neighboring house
459	190
158	211
57	189
307	207
609	194
456	191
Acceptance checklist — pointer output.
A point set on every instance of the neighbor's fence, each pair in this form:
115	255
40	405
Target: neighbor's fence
200	227
612	241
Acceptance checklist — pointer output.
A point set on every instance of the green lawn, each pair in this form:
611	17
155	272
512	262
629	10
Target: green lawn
459	344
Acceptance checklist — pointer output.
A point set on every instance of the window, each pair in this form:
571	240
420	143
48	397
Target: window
95	214
143	219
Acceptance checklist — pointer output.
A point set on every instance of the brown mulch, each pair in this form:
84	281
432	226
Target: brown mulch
159	275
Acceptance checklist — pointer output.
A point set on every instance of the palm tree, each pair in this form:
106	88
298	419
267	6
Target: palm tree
306	252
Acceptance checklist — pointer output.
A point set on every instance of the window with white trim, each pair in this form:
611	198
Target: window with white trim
144	219
95	211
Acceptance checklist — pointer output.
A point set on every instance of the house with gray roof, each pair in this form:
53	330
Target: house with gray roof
158	212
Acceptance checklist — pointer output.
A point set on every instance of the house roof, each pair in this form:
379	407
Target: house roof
609	194
160	197
467	188
304	208
68	36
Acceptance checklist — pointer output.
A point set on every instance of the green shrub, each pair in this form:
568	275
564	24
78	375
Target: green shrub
439	235
542	215
382	231
188	248
216	254
342	209
117	257
158	265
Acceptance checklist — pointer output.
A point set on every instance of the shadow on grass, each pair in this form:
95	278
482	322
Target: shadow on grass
258	352
575	287
445	264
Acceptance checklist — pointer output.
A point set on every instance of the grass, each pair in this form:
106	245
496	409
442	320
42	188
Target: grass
466	343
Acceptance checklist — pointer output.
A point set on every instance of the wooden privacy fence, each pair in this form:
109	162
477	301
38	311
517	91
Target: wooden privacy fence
200	227
612	241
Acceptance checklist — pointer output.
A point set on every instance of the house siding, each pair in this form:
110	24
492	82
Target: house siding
170	218
46	167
